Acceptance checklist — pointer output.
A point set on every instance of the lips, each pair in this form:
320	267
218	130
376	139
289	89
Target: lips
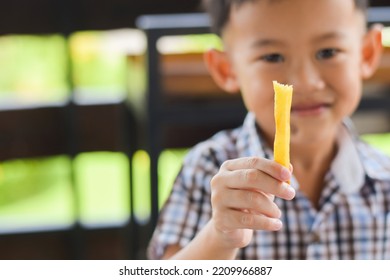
311	109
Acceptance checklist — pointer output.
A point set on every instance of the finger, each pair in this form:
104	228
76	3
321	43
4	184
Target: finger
270	167
254	202
241	220
256	180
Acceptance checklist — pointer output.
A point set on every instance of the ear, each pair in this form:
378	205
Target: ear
372	51
220	69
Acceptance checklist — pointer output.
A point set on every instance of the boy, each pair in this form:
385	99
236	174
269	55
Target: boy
231	200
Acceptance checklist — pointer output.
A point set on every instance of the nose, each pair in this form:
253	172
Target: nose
306	77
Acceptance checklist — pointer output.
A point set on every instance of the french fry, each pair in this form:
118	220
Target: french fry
283	98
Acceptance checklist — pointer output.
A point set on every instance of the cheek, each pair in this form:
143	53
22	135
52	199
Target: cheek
352	102
260	101
256	94
350	91
346	84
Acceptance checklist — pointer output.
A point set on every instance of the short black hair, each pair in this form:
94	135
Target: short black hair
219	11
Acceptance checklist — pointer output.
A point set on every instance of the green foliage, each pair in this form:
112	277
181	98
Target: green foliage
22	179
102	180
33	68
35	192
380	141
96	67
386	36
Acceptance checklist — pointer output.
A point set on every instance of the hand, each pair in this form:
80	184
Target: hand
242	194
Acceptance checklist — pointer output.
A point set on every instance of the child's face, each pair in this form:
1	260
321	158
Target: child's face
314	45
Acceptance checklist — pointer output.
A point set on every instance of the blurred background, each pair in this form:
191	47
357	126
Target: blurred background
97	109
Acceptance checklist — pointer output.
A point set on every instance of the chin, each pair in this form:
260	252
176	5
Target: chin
310	135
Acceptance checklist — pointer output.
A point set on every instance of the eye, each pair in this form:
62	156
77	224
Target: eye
272	58
327	53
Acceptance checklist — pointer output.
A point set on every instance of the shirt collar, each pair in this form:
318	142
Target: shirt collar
347	166
376	164
250	143
357	160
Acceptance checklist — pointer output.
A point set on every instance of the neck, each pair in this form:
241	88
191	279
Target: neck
311	163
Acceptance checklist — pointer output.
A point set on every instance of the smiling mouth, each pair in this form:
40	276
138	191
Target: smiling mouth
309	110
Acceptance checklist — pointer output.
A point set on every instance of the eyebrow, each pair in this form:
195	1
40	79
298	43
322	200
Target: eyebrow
330	35
267	42
275	42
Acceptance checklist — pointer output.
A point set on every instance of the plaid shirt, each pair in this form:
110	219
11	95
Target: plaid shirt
351	222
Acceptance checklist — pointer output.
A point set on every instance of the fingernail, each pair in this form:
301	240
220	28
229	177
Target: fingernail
285	174
277	224
289	190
